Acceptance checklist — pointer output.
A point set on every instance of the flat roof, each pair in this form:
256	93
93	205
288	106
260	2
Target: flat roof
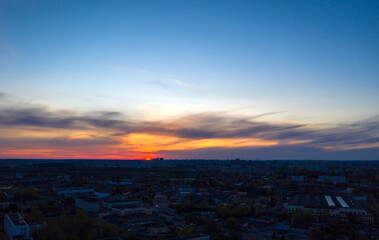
108	201
342	202
88	199
16	219
330	201
322	201
123	207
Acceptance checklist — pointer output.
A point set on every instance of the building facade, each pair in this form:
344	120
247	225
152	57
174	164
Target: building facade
15	227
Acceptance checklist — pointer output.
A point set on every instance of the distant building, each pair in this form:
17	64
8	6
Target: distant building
69	192
4	204
130	210
87	204
66	177
161	201
5	200
298	178
317	167
110	238
186	191
15	227
19	175
36	226
196	236
332	179
319	203
121	202
9	194
280	192
102	195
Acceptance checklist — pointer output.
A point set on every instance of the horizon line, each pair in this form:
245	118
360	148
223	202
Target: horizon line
180	159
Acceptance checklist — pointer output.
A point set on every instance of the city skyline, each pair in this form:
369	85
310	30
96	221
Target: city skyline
189	79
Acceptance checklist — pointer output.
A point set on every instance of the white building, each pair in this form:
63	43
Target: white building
15	227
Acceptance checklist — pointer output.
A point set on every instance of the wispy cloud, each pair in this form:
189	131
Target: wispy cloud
154	78
45	118
3	95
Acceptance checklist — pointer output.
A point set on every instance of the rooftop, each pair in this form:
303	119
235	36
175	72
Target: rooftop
320	201
123	207
88	199
16	219
108	201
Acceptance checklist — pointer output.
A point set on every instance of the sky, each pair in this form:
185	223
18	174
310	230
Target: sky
189	79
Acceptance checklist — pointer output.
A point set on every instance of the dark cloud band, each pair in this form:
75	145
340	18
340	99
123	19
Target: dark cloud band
196	126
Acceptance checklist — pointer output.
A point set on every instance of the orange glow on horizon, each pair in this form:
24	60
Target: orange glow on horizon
154	143
92	143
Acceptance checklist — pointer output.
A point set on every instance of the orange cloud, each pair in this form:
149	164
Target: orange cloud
154	143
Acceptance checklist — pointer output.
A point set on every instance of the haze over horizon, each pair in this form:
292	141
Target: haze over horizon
189	79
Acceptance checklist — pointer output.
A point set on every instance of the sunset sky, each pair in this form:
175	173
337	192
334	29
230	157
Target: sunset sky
189	79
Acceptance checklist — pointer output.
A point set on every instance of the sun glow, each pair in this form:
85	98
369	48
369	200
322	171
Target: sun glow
155	143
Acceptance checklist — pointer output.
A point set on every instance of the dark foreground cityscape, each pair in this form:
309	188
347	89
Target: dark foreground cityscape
188	199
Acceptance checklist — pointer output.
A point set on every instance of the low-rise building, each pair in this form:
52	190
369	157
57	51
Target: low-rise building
131	210
102	194
196	236
87	204
109	204
69	192
298	178
15	227
332	179
319	203
36	226
9	194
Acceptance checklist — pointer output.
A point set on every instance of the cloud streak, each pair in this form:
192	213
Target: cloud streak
39	127
154	78
44	118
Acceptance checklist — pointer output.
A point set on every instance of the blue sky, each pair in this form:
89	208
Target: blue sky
313	63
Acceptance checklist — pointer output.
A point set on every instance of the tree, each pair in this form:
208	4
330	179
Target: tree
324	217
34	216
204	205
187	205
296	220
233	223
234	235
79	226
307	218
258	212
210	226
186	231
